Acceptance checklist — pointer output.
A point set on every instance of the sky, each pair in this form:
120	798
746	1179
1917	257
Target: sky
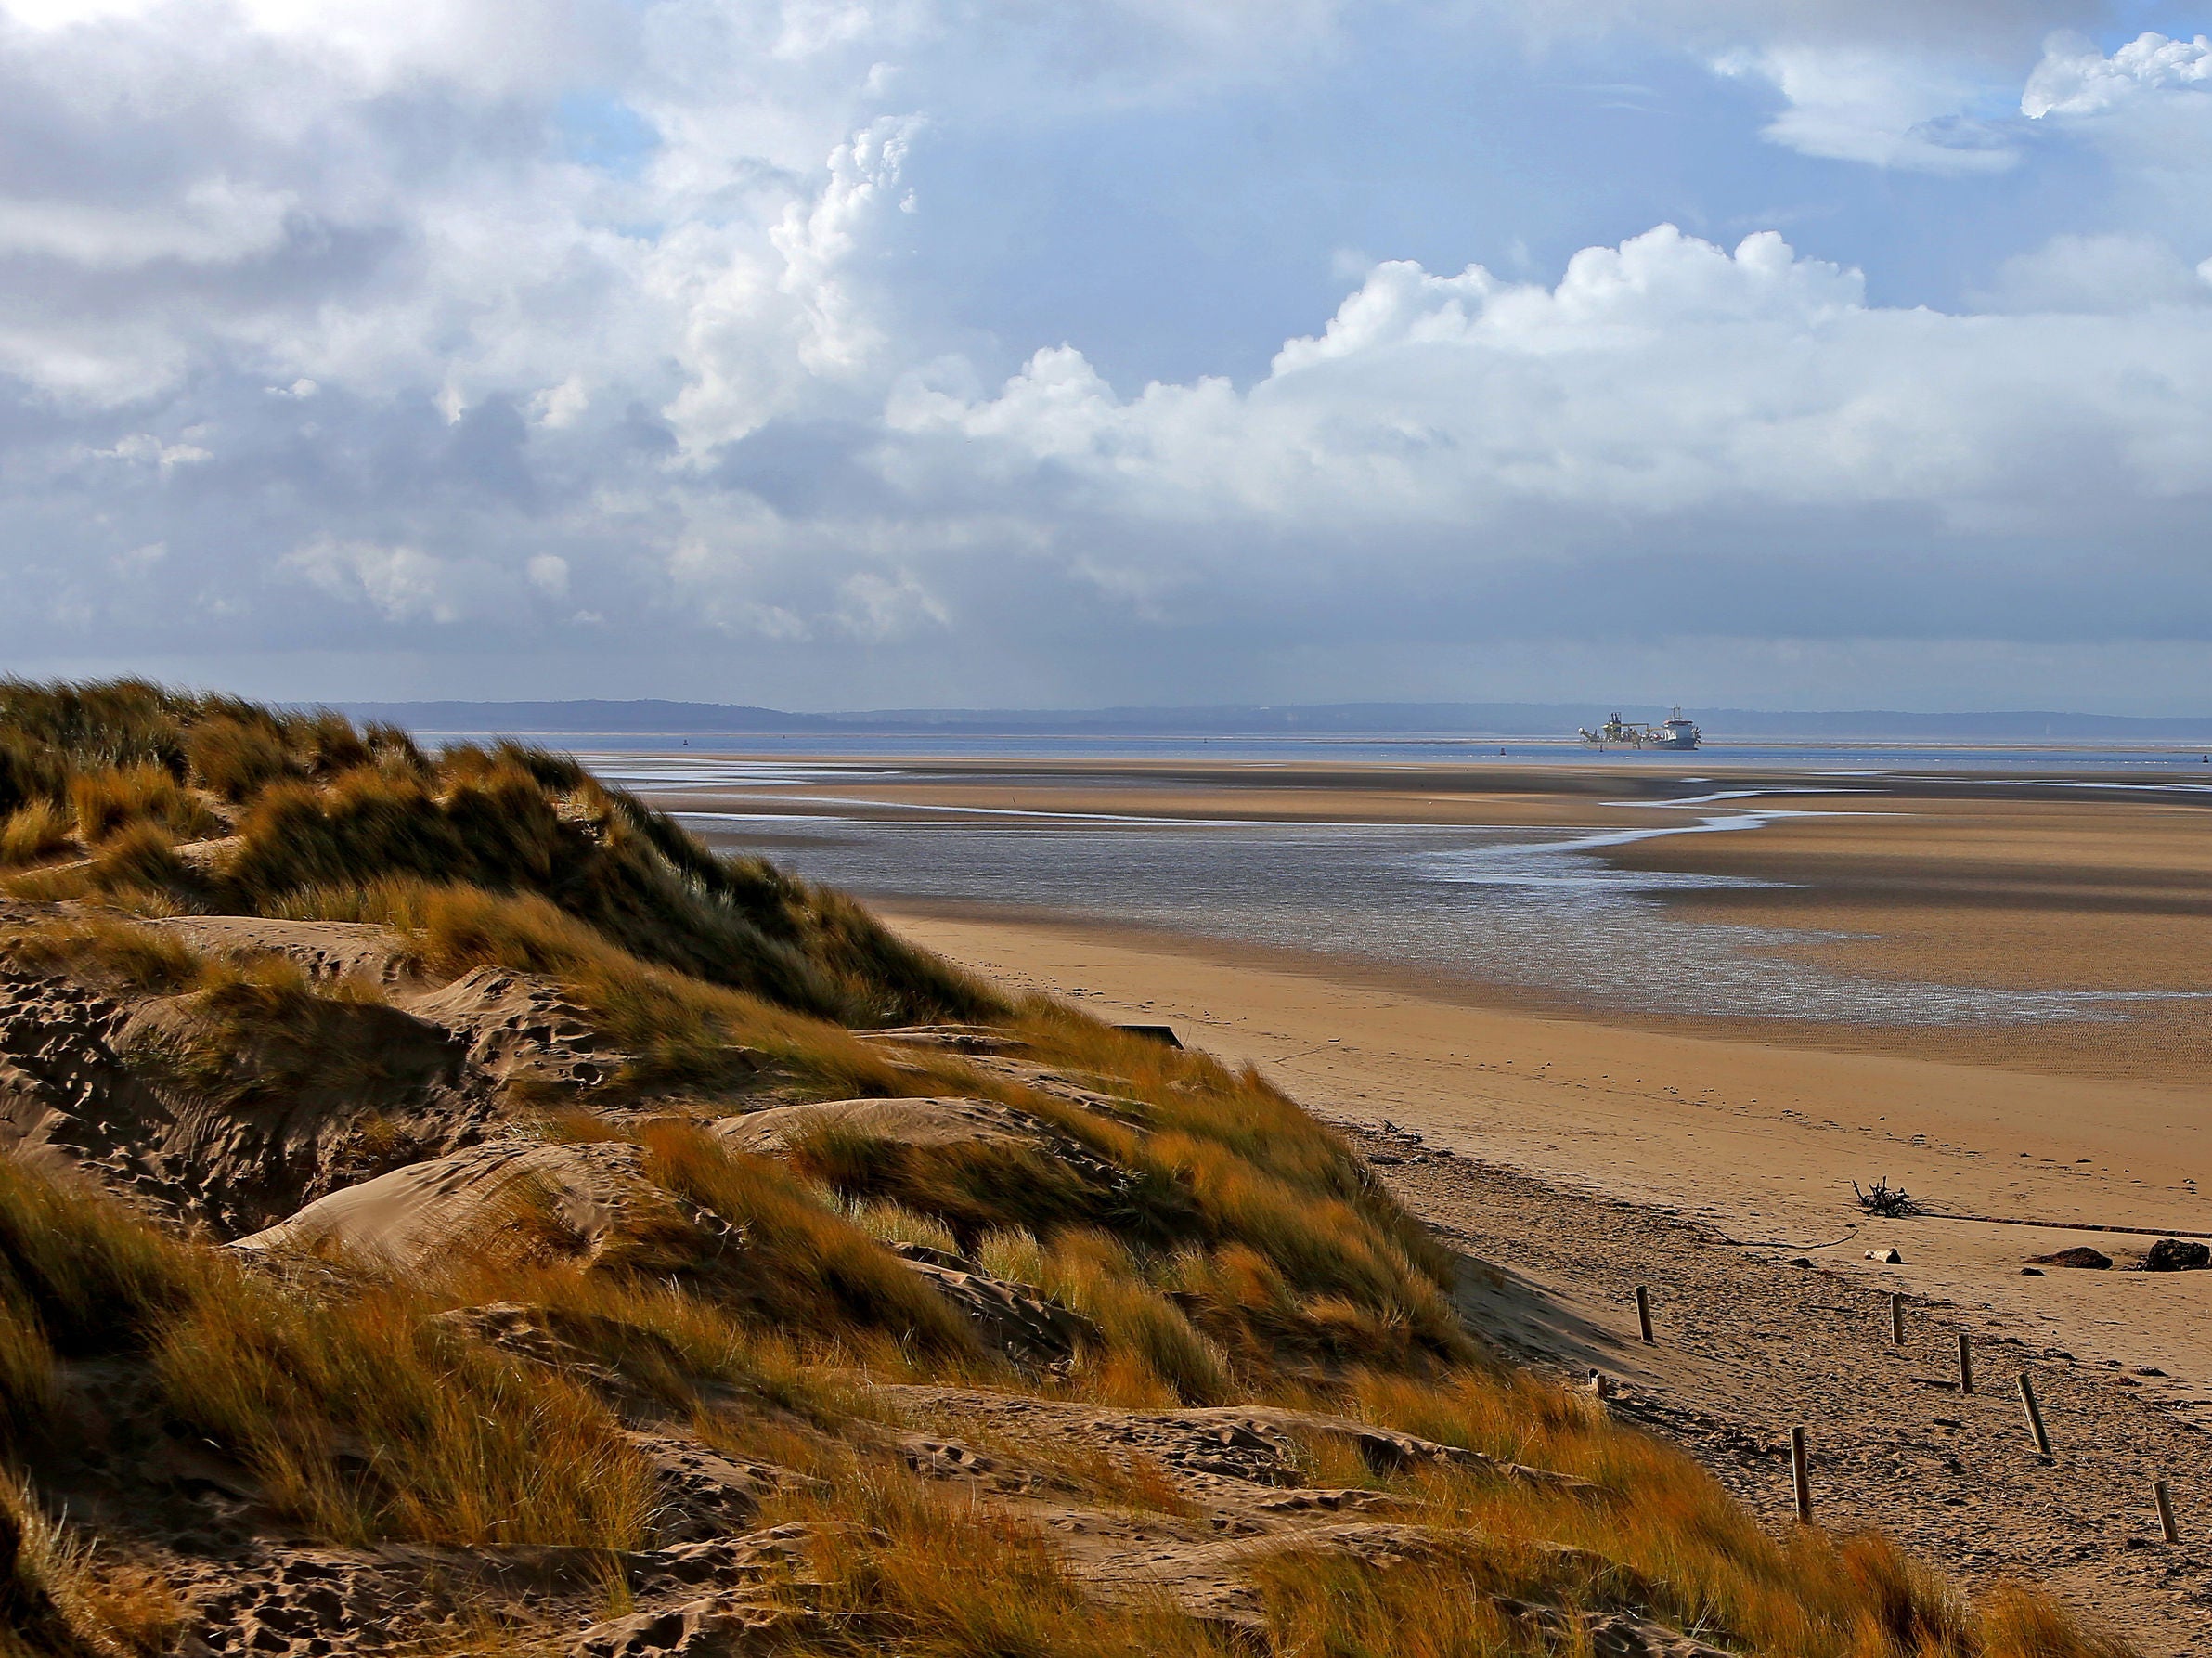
834	353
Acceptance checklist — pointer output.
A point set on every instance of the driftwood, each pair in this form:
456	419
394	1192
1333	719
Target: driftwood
1885	1200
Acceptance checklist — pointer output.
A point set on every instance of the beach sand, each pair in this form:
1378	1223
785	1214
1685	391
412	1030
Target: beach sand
1573	1160
1760	1139
1582	1150
1758	1126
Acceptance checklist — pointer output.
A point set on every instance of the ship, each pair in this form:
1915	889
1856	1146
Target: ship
1674	732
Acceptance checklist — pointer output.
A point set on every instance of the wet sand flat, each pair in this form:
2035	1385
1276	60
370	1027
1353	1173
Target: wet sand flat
1759	1139
2092	883
1733	1142
1754	1125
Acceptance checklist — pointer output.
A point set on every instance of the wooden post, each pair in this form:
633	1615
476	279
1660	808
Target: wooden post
1643	1310
1801	1476
1965	1364
2164	1494
2035	1414
1896	1320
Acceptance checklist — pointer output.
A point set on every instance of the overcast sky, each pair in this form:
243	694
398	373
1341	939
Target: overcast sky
862	352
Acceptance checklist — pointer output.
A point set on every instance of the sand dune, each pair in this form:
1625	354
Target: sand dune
1761	1139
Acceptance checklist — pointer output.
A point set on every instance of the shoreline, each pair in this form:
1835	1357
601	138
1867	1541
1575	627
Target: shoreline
1754	1125
2096	891
1758	1140
1746	1348
1575	1146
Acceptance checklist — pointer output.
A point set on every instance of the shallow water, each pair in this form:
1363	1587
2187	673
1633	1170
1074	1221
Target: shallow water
1532	909
2157	765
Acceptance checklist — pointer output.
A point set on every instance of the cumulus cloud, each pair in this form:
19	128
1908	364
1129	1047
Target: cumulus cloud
402	583
1876	105
145	447
549	575
403	331
2074	78
2112	273
2146	108
1664	377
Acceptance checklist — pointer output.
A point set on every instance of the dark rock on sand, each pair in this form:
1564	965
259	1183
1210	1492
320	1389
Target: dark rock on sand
2174	1255
2079	1255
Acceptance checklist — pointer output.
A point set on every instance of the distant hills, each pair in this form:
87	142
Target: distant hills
648	717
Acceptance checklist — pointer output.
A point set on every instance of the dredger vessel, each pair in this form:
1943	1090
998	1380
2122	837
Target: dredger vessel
1674	731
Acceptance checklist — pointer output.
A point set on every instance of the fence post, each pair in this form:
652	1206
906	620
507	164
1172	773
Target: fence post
1896	1320
1965	1364
1801	1476
2035	1414
1643	1312
2163	1492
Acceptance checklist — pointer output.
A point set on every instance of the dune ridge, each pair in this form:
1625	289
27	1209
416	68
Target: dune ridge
388	1263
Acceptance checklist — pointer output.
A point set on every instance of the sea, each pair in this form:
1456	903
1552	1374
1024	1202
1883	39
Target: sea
2145	760
1540	910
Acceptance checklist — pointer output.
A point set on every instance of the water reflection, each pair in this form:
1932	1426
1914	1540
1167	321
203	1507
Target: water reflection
1530	909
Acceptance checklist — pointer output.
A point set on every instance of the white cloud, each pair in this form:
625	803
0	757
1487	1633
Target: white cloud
764	325
549	575
641	282
403	584
214	221
2110	273
560	406
2074	78
876	606
145	447
1878	105
1661	378
2145	110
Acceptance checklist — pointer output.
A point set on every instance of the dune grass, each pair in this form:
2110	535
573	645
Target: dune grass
263	1029
904	1568
1153	1354
358	1414
368	1419
512	821
802	1267
1226	1247
969	1189
313	806
914	1566
233	1030
36	830
109	951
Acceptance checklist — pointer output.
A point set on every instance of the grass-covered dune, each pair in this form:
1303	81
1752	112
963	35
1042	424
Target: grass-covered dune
444	1207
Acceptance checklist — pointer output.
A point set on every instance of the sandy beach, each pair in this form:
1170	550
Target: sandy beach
1757	1127
1574	1160
1760	1139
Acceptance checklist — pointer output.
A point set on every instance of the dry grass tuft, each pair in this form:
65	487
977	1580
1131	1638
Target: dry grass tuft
971	1189
517	823
35	830
2019	1623
797	1264
64	1596
893	1223
676	1032
915	1570
110	952
367	1419
1154	1354
103	802
262	1029
359	1415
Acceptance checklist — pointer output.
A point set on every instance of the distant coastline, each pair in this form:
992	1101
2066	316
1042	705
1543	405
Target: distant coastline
1509	722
